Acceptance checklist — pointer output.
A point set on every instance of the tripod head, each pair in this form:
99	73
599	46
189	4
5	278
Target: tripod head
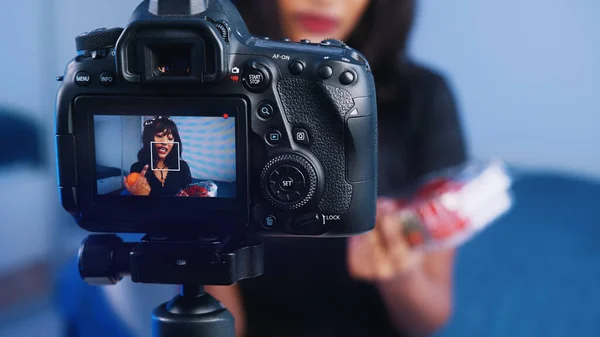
190	262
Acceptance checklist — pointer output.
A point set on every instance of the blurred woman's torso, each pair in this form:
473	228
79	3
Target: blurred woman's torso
306	289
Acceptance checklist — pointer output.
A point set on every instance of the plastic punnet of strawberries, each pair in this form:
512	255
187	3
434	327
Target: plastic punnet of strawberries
193	191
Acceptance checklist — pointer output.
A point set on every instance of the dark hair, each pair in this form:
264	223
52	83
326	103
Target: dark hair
151	128
381	35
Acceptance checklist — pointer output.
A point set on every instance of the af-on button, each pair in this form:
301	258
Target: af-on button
296	67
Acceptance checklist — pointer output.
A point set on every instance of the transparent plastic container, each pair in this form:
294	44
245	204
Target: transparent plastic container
451	207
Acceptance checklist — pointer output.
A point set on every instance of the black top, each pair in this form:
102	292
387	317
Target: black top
305	289
176	180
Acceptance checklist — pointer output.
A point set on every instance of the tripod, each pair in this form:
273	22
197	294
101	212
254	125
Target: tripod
192	263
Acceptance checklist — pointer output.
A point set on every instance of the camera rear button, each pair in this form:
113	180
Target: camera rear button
265	110
83	78
274	137
296	67
107	79
301	136
255	78
269	221
347	78
325	72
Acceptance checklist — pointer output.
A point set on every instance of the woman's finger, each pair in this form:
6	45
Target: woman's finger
390	231
127	186
398	252
385	205
143	173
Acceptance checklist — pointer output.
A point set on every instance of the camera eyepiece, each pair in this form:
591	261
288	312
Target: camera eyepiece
172	60
174	42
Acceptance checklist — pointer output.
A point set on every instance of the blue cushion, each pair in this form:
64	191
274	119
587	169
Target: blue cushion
536	271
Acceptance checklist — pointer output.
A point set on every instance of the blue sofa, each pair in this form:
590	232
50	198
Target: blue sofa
536	271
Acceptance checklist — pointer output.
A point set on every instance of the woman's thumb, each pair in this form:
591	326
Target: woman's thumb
386	205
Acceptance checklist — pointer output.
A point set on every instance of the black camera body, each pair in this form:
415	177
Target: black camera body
273	138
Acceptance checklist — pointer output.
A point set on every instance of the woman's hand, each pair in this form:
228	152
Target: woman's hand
382	254
141	186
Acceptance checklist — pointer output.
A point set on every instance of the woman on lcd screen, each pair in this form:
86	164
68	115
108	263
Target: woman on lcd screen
161	170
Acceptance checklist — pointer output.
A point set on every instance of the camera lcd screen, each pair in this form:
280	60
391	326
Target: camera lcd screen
166	156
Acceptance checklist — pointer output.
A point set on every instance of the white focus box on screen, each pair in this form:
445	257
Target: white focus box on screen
175	148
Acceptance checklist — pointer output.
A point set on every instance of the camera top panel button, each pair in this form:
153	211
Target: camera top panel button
83	78
325	72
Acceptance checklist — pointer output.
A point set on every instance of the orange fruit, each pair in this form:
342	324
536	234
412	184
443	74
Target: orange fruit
132	178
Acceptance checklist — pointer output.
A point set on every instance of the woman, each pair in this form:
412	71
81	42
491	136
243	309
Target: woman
162	148
373	284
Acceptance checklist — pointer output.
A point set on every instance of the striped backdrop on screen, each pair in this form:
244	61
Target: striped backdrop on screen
208	147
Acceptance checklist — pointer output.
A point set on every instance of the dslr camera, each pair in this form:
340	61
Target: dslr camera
183	123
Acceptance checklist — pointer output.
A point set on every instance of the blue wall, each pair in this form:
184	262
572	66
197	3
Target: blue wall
526	75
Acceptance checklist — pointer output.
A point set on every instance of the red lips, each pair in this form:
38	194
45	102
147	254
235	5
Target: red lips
317	23
165	148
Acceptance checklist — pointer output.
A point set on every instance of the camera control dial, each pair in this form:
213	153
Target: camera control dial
333	42
289	181
97	42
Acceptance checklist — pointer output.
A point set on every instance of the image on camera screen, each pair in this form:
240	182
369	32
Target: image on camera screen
165	156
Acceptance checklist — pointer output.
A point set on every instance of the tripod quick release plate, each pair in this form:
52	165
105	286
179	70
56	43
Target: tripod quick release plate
106	259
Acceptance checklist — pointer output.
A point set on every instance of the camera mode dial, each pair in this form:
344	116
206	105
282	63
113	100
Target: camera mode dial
97	42
289	181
